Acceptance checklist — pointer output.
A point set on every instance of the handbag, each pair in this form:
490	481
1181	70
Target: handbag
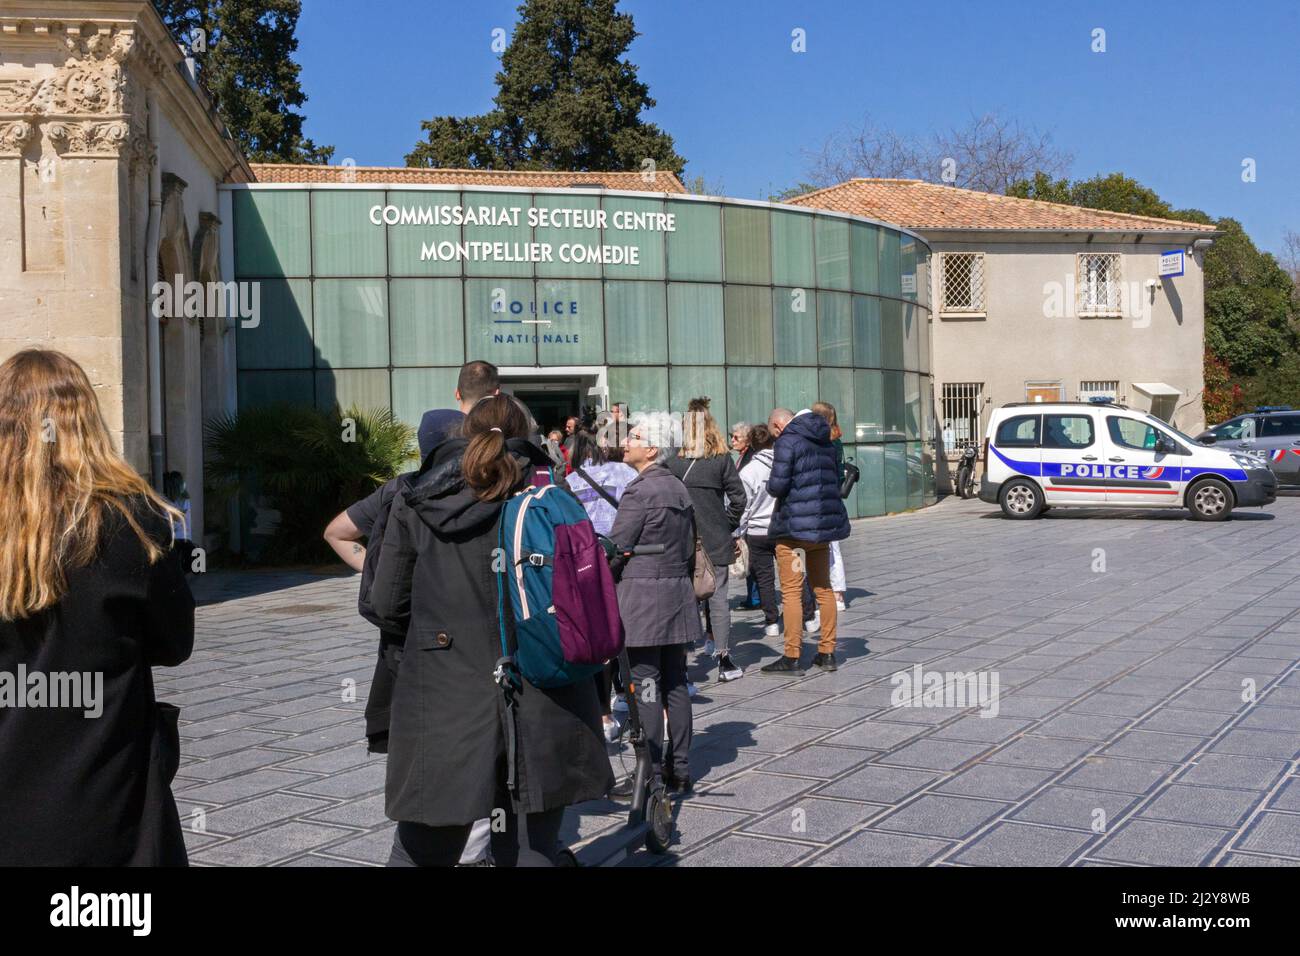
703	578
740	566
851	475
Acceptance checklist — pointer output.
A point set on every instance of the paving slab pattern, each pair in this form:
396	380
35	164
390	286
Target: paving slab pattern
1148	708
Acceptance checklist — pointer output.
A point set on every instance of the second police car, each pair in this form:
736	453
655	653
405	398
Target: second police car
1098	454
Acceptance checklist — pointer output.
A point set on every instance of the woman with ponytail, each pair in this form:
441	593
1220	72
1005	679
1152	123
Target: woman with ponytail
89	602
448	764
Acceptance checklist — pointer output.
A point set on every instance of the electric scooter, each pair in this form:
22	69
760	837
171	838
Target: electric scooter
650	816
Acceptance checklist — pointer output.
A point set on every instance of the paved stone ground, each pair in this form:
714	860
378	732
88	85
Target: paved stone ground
1125	645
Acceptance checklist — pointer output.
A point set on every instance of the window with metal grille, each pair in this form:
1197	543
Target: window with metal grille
963	282
1099	283
962	403
1098	388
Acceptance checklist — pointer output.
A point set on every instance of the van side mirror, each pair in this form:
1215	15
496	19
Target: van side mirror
1206	438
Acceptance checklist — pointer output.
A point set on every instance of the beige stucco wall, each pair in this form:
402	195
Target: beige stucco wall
1017	342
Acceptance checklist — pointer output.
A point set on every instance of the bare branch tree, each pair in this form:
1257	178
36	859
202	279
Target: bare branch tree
1290	259
988	153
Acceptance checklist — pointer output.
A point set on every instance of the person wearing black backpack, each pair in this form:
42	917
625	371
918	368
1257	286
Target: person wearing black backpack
457	752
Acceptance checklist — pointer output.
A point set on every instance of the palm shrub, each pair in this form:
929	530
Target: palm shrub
310	463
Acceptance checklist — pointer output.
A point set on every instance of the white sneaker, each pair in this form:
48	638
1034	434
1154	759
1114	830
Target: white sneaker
618	704
815	625
709	648
612	730
728	670
771	630
691	690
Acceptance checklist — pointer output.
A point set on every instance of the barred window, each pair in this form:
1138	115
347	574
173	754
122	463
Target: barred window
1098	388
963	282
1099	283
962	403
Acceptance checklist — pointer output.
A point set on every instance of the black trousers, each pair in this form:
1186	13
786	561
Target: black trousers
762	564
527	840
659	677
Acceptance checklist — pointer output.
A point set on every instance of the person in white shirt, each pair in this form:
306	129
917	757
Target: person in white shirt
754	523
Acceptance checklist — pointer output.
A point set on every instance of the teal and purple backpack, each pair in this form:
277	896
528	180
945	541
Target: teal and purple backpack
559	587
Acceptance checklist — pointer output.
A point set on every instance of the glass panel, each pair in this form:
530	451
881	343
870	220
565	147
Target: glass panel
408	242
499	335
416	390
428	321
832	253
792	250
749	249
868	387
907	252
366	389
694	323
490	210
749	395
273	388
687	382
870	488
695	246
865	249
636	323
570	322
923	272
282	339
749	325
796	388
923	339
344	240
912	404
866	331
895	406
911	336
351	322
634	223
890	283
834	328
927	409
891	333
271	233
795	326
837	388
896	476
559	235
640	389
915	475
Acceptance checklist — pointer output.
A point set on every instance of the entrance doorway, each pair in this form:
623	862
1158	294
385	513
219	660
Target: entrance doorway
553	398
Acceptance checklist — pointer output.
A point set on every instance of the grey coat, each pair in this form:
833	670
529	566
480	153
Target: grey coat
708	481
655	595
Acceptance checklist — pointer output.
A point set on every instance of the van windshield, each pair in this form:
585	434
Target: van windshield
1166	427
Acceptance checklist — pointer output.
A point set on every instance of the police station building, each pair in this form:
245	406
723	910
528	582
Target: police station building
585	289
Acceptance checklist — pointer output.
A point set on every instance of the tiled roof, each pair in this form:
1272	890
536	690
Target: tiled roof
663	182
914	204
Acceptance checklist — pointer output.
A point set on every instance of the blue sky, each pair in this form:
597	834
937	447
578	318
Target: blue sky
1184	92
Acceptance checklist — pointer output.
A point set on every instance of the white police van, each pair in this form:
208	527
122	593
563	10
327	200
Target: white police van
1039	455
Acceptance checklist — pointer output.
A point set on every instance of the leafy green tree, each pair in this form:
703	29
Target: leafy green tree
566	99
244	50
1252	320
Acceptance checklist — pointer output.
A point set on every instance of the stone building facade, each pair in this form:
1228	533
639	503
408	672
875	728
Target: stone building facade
110	158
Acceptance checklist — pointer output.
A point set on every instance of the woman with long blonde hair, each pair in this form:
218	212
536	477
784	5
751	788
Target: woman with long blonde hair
705	467
90	600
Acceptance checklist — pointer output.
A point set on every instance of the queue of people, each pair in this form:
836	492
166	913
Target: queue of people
481	758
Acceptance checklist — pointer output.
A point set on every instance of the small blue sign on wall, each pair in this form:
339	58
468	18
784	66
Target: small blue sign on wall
1171	263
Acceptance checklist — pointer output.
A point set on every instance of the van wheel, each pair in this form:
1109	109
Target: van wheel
1210	500
1021	499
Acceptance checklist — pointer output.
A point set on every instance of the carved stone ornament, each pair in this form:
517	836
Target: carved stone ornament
83	105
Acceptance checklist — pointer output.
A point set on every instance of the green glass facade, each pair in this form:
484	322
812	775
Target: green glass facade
752	304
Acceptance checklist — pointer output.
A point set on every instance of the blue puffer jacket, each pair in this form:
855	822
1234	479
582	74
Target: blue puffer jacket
805	483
